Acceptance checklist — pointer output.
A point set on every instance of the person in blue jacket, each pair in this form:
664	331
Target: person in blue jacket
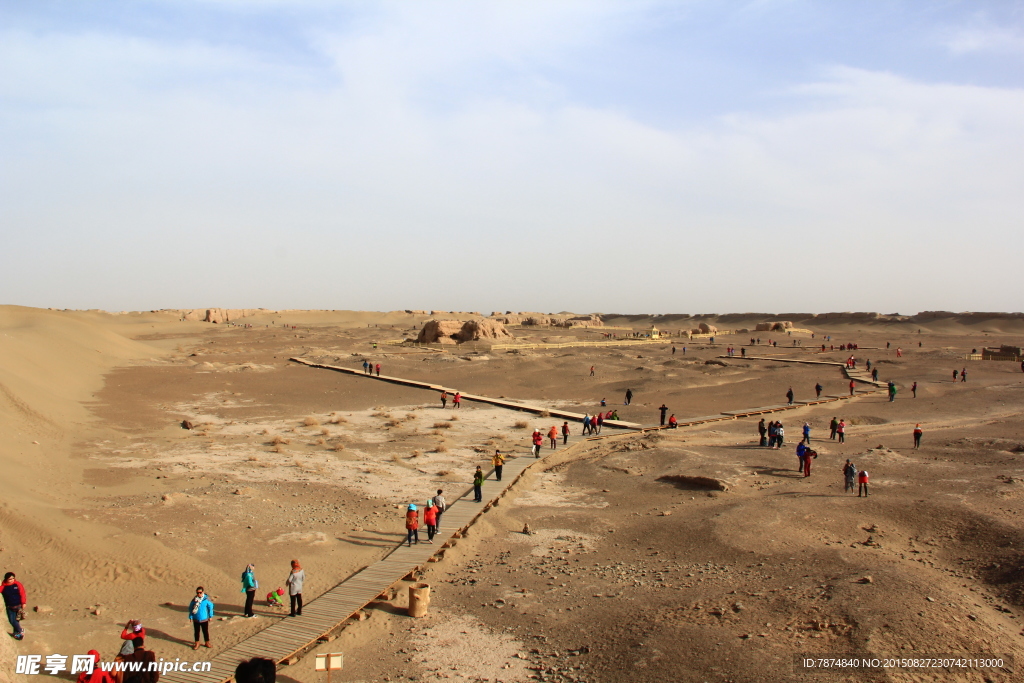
249	586
801	452
200	612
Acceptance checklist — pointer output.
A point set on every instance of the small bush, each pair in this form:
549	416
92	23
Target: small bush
417	453
411	416
442	425
490	442
444	473
380	407
436	432
380	414
453	418
544	413
325	431
440	448
279	448
320	442
311	422
521	424
338	419
278	440
393	423
252	458
338	447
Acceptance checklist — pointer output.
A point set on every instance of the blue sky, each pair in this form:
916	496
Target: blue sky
592	156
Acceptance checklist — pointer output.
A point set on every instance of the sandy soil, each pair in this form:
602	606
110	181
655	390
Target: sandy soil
111	510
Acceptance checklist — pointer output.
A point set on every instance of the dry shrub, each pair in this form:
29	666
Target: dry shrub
279	448
393	423
453	418
440	448
298	463
442	425
444	473
265	432
411	416
320	442
417	453
521	424
380	407
311	422
252	458
338	419
490	442
544	413
325	431
338	447
435	432
278	440
380	414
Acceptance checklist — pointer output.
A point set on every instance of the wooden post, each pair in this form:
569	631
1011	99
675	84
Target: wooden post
419	599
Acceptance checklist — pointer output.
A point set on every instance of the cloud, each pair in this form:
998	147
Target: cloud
1006	41
426	159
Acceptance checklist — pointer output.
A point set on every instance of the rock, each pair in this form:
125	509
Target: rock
704	328
42	609
865	579
972	617
96	612
187	424
665	513
440	332
737	607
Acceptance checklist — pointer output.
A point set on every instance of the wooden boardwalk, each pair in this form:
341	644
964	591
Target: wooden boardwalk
289	638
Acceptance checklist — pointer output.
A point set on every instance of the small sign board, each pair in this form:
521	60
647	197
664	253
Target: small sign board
330	661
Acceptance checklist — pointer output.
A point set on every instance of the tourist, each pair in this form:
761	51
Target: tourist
378	369
249	586
762	430
440	504
478	485
672	421
789	396
565	432
457	400
862	480
614	415
664	411
629	397
275	599
603	403
14	601
200	612
849	474
597	423
841	431
892	391
295	579
913	389
498	462
553	437
955	374
430	516
412	526
256	670
817	390
874	375
917	435
809	455
591	370
366	365
899	352
538	440
444	399
771	434
807	433
780	435
145	659
132	630
586	424
852	385
834	427
801	452
963	375
97	675
868	365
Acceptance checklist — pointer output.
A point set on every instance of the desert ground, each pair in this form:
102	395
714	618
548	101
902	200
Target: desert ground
634	570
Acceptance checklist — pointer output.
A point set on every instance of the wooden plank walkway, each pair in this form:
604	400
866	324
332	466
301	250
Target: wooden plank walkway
500	402
291	637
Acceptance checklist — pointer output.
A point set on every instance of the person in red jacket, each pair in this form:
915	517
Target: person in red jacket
862	480
98	675
672	421
457	400
132	630
14	601
430	519
852	385
538	441
553	436
565	432
412	524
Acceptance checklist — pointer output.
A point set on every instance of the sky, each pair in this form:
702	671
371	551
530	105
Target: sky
634	157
